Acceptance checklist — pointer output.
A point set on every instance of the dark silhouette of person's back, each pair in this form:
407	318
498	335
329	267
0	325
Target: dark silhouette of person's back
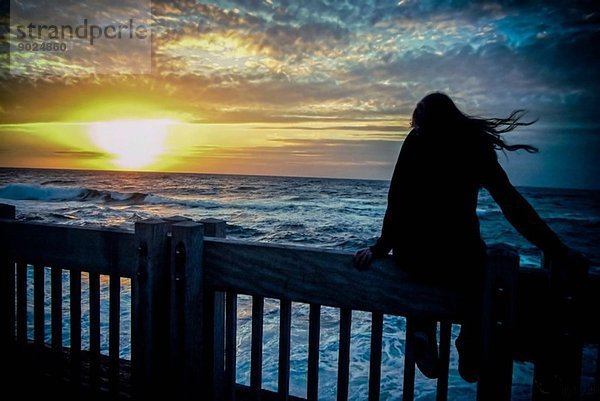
431	222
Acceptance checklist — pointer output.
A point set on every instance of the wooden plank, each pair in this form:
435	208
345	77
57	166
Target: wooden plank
100	250
8	269
38	305
114	331
230	345
344	354
75	299
7	285
258	304
276	271
94	299
408	387
215	320
597	377
375	358
56	307
7	300
7	212
442	381
567	279
22	303
177	315
285	328
214	228
187	309
314	332
150	295
498	317
8	273
218	346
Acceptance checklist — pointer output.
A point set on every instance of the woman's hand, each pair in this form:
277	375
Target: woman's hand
362	259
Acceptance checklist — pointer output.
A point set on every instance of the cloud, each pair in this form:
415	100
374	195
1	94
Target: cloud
306	157
251	61
82	154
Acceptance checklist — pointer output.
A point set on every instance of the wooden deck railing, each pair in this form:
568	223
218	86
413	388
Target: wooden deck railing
186	277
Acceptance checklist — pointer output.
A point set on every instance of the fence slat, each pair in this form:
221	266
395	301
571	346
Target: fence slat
285	326
56	307
218	345
442	381
8	268
7	293
408	387
22	303
344	354
9	271
94	293
598	367
375	358
38	305
75	299
114	320
230	344
258	304
314	332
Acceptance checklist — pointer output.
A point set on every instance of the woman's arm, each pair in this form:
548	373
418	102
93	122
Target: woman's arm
520	213
389	230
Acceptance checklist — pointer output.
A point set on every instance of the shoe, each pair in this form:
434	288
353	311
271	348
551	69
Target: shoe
468	363
426	355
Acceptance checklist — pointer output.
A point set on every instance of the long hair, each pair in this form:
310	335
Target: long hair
436	112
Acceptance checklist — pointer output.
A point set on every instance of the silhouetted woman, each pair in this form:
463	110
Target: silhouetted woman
431	222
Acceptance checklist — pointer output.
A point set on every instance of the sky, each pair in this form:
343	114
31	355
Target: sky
302	88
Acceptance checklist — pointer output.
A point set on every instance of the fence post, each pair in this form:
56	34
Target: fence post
7	284
558	367
498	316
187	303
150	297
215	324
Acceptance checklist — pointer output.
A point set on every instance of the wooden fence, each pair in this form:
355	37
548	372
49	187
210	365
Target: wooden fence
186	277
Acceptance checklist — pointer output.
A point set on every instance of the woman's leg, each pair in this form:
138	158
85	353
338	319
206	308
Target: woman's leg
468	345
468	342
426	351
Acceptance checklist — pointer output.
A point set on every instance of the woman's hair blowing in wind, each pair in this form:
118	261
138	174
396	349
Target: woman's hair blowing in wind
436	112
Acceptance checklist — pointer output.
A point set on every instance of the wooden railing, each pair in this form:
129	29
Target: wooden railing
186	277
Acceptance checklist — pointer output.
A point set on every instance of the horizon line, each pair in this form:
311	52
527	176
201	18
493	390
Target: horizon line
266	176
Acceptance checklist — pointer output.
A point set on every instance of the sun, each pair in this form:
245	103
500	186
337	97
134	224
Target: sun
135	144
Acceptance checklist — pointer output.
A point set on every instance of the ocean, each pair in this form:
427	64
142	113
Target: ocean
327	213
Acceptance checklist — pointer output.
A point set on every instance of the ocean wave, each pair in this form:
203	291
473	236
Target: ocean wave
49	193
40	192
248	188
192	203
59	182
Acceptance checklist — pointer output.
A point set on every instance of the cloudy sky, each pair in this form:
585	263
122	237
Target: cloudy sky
311	88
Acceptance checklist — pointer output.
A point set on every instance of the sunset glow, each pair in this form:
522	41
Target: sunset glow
135	144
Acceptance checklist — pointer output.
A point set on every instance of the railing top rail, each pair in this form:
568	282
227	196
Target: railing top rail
98	250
